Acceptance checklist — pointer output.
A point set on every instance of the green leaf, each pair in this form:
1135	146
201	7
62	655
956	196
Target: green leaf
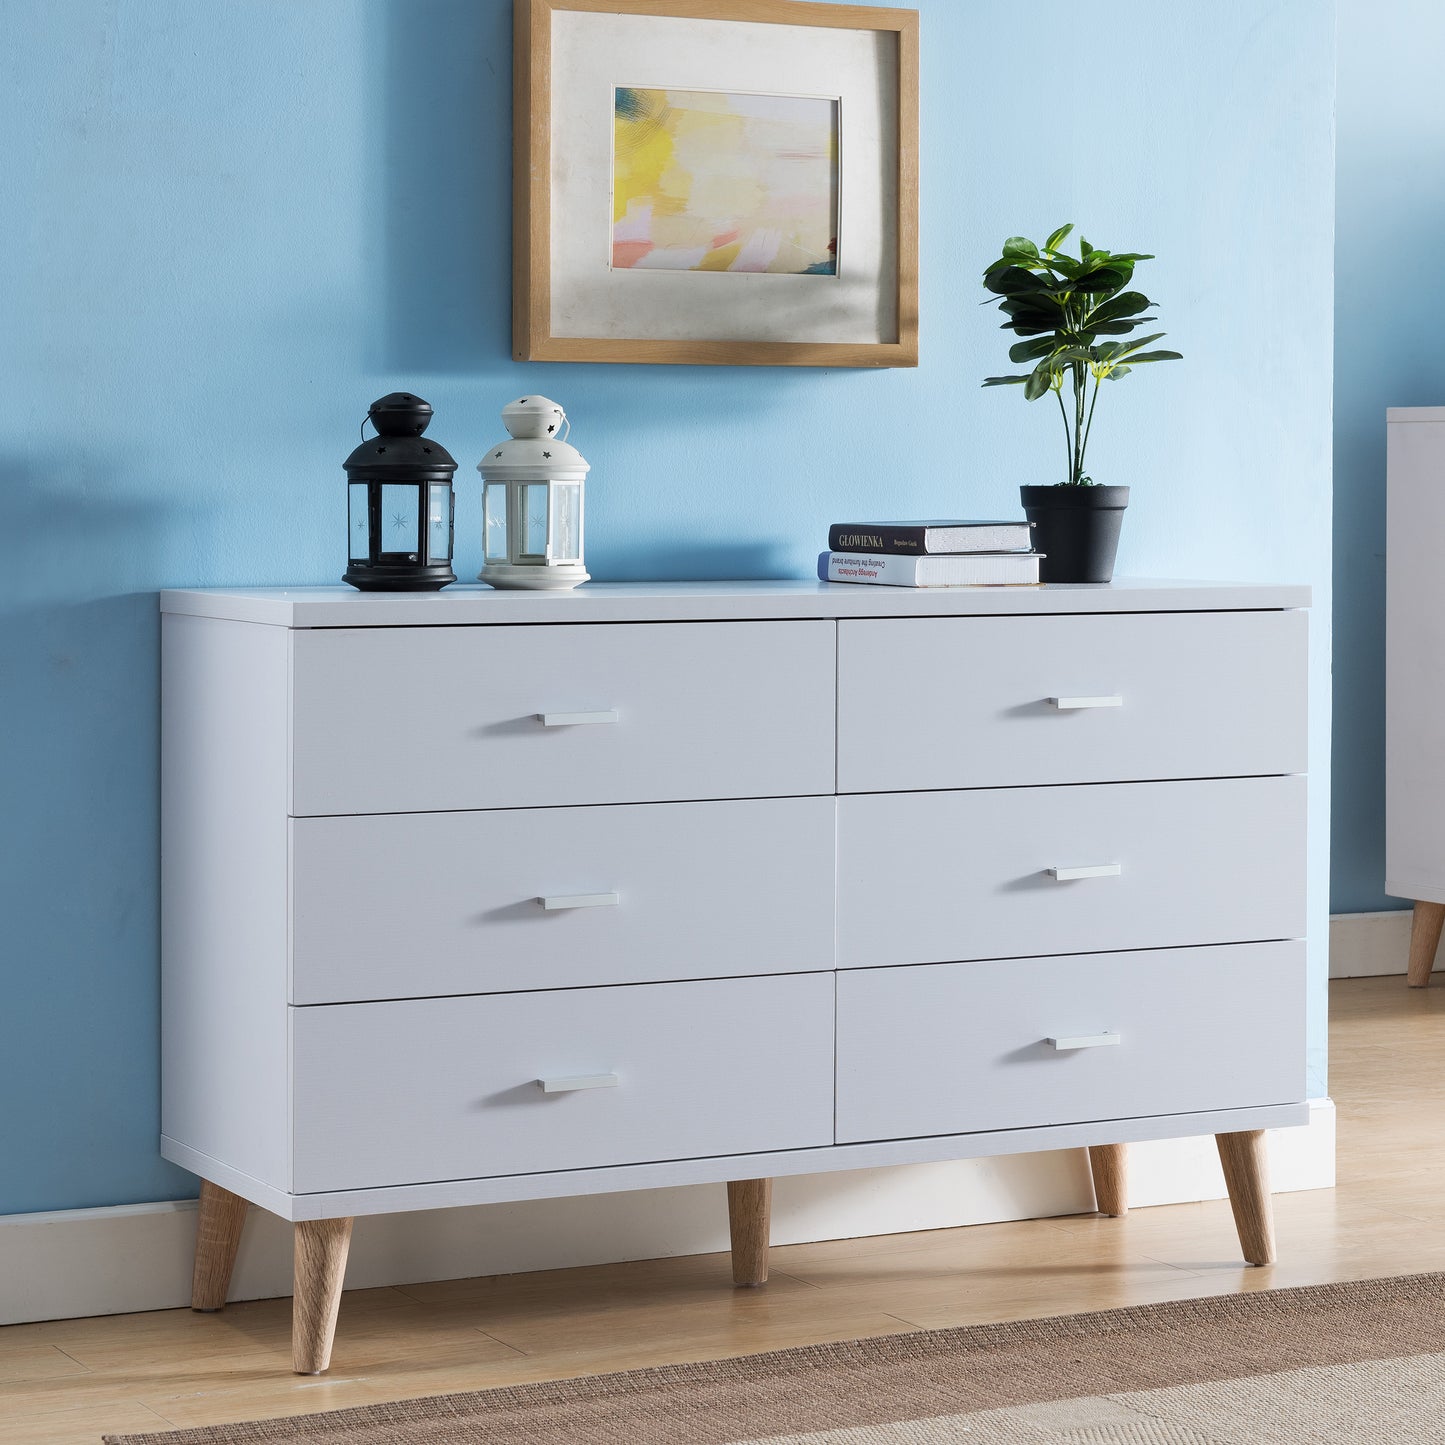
1155	356
1020	246
1015	281
1043	310
1117	371
1120	328
1084	246
1004	380
1117	350
1115	308
1052	243
1041	379
1099	282
1031	350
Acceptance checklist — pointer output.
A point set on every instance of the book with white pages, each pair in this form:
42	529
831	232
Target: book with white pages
966	569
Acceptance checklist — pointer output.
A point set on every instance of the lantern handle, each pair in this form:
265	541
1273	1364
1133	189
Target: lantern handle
566	426
364	421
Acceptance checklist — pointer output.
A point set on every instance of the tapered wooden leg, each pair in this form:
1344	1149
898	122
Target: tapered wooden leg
1109	1164
1424	940
1246	1176
321	1247
219	1221
750	1211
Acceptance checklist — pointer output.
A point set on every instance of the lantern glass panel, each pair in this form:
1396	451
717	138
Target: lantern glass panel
359	507
439	525
567	522
534	520
400	517
494	521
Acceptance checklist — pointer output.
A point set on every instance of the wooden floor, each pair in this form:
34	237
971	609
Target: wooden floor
69	1380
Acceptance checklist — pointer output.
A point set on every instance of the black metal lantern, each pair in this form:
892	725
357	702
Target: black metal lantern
400	505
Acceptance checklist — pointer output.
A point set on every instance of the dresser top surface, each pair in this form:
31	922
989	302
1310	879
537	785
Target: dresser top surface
1415	413
472	604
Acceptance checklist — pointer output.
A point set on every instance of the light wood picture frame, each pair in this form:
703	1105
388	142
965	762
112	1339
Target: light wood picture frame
540	213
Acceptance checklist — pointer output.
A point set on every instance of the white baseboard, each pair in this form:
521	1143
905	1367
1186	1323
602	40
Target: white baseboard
1368	945
138	1257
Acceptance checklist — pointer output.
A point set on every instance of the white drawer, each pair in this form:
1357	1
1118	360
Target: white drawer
934	877
413	905
432	1089
962	702
421	719
958	1048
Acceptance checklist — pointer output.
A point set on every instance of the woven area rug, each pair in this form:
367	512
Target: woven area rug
1331	1363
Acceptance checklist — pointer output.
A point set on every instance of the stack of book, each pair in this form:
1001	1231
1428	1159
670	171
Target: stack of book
931	554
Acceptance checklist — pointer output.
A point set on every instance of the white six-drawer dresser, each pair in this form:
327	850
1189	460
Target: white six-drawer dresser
476	896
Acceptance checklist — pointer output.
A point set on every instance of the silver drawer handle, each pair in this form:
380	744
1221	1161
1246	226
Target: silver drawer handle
1086	1041
1072	704
569	1084
576	719
1092	870
579	900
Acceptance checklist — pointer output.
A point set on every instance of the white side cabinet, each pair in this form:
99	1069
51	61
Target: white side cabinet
1415	676
481	896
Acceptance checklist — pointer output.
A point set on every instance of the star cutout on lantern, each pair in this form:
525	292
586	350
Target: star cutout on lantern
524	401
399	520
499	454
547	455
551	428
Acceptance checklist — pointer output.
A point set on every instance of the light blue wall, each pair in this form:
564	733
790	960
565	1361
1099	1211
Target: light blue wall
228	227
1388	352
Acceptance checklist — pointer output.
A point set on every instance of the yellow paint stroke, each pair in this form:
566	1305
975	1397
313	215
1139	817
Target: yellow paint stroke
720	257
644	153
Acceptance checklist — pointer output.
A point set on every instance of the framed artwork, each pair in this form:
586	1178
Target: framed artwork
715	181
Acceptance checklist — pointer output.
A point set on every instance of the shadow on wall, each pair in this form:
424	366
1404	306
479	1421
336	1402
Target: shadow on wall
78	783
74	531
79	680
443	87
702	562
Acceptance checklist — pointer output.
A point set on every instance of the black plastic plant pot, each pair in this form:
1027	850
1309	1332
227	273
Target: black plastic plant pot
1077	530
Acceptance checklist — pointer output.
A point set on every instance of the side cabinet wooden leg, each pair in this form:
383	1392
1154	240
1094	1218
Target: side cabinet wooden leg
1425	929
1246	1176
1109	1164
219	1221
750	1210
320	1262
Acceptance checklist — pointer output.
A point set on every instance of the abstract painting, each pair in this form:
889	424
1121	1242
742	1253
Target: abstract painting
723	181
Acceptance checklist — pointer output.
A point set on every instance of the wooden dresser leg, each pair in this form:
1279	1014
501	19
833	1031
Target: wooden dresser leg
219	1221
1109	1164
750	1210
1425	929
1246	1176
320	1268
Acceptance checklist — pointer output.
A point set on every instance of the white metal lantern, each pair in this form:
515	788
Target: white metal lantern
532	501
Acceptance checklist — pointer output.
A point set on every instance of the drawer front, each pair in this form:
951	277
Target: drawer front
413	905
431	1089
957	1048
937	877
964	702
422	719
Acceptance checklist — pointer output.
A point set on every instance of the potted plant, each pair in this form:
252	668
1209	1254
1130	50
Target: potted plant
1064	309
